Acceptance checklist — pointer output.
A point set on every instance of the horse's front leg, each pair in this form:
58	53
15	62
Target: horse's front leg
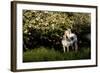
67	48
64	49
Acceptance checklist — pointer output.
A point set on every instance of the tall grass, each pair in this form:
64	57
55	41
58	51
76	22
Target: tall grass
47	54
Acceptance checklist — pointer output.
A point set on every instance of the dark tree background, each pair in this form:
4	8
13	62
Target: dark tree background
45	28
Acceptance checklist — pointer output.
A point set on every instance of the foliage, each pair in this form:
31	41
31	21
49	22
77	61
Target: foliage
47	27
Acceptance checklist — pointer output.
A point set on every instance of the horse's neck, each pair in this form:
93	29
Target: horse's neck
64	37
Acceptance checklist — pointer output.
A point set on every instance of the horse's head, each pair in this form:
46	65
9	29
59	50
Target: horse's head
67	33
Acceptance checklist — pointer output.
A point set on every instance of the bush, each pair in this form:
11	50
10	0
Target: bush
45	28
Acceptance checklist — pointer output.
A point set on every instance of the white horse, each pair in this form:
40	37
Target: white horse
69	39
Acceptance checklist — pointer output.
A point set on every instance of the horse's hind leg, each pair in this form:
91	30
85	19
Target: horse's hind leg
76	47
72	47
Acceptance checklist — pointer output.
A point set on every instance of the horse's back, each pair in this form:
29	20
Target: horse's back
73	36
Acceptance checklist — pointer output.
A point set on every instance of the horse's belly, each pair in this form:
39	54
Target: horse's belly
64	43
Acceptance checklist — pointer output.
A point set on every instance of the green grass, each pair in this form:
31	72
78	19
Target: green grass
46	54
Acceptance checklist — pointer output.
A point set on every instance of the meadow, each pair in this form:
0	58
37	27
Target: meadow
47	54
